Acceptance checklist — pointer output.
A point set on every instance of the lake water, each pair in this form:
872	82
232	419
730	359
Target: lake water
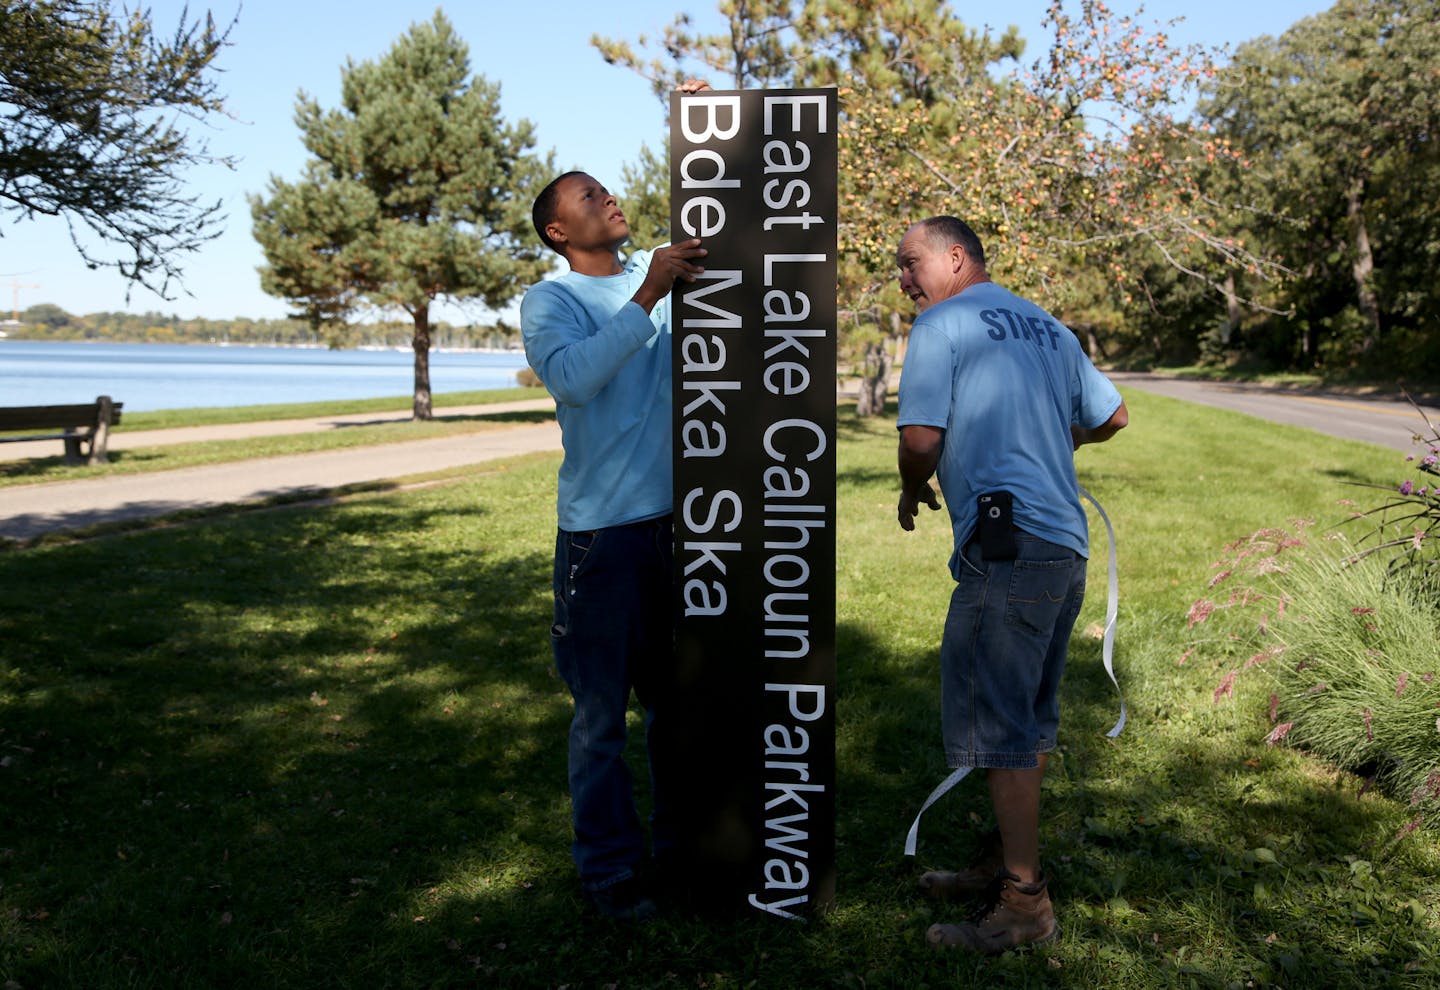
184	376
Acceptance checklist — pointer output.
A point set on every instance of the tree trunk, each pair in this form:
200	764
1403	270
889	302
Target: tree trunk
1232	311
876	381
421	343
1363	265
1093	345
876	368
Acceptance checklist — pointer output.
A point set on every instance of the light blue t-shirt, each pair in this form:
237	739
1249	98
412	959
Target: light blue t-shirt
607	363
1005	380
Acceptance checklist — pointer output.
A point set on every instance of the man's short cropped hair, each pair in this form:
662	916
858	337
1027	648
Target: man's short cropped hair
944	231
542	214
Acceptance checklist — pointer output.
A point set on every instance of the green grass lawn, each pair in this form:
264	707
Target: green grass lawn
326	747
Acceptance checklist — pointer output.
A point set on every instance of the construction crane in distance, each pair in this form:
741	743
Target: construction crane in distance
15	287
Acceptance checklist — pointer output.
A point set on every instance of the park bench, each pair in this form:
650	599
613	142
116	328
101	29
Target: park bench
84	426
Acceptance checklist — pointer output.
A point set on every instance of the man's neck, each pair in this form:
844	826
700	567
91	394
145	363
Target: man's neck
600	261
971	278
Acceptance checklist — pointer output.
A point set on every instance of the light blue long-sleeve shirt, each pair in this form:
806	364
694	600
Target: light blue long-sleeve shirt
607	363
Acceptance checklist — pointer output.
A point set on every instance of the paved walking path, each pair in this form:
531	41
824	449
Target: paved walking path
28	511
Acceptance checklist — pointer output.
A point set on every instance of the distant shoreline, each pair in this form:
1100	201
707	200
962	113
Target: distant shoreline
397	348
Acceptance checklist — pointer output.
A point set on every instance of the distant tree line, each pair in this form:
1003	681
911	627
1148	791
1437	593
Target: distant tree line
1270	210
47	321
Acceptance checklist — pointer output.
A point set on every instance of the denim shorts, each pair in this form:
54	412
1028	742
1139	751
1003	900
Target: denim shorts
1006	637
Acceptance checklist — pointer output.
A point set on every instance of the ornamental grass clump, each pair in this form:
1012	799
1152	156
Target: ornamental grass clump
1346	644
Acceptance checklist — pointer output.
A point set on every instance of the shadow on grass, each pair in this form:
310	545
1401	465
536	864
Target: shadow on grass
513	416
521	416
1173	861
39	466
850	426
326	748
231	746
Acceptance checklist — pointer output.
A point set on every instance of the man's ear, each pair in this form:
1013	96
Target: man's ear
958	258
556	232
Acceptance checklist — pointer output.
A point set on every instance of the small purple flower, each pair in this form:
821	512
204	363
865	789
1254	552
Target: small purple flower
1406	487
1409	458
1429	460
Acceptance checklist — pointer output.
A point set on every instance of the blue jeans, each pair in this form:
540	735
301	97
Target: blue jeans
614	632
1006	636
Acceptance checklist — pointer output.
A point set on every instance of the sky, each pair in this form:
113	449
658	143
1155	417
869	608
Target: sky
592	115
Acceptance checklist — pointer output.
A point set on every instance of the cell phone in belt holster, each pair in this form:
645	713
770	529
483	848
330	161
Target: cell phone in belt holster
996	526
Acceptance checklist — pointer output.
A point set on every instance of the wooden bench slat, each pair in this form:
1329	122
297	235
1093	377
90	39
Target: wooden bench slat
80	424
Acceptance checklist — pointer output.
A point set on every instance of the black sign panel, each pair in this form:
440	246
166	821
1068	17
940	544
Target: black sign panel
753	174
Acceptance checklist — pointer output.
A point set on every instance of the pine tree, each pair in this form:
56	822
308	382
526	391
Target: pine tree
417	190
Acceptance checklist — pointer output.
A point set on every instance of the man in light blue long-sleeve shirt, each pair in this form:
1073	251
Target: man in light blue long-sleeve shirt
599	338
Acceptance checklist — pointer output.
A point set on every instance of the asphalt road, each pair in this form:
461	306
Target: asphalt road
1387	421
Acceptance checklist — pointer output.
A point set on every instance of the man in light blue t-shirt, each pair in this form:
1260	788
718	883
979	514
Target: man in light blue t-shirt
995	396
599	338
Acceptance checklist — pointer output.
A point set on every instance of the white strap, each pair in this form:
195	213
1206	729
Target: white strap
1112	611
956	775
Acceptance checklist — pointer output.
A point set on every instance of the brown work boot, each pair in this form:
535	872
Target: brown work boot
971	881
1016	914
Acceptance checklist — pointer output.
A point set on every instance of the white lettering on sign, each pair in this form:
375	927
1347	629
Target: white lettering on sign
787	619
710	110
787	801
717	180
702	119
796	104
701	436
